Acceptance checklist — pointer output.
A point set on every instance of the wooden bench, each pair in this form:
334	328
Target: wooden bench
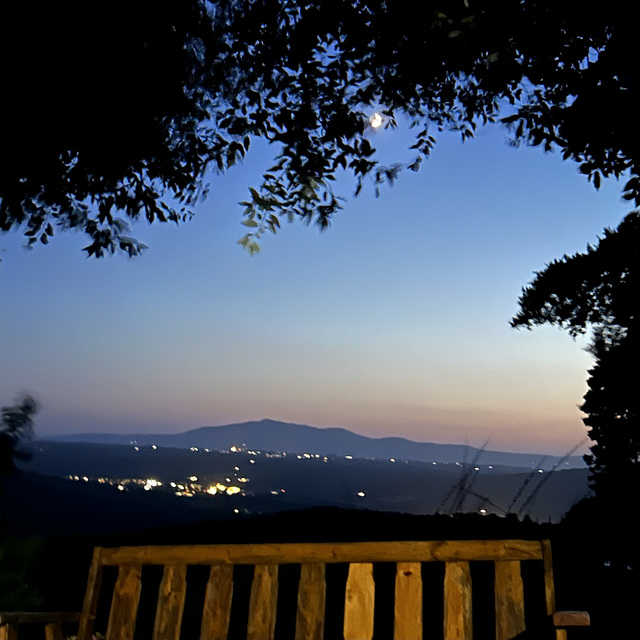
221	568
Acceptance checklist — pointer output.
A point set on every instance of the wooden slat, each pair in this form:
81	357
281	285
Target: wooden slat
263	603
408	602
359	602
301	553
311	602
509	599
53	631
217	603
549	587
90	604
124	606
457	601
8	632
171	595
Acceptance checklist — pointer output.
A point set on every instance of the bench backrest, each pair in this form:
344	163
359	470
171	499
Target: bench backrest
221	564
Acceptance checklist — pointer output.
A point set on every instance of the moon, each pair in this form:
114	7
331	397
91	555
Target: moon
375	120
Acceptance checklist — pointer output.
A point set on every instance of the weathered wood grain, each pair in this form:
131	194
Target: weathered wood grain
359	602
509	599
170	606
124	606
301	553
408	602
311	602
457	601
91	595
549	584
263	603
216	613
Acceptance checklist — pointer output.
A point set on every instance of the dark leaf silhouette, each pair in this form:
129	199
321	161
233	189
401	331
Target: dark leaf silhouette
117	112
16	426
598	289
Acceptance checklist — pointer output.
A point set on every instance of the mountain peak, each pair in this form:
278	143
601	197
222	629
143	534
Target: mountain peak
267	434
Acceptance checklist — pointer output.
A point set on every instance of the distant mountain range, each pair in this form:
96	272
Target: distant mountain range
276	436
74	486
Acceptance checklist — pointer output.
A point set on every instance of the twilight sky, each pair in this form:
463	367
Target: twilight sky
393	322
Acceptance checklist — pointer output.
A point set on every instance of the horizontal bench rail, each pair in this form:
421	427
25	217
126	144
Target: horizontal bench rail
300	553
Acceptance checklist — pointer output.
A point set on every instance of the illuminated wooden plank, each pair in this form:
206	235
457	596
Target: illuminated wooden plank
408	602
263	603
124	606
549	588
90	604
311	602
359	602
301	553
509	599
53	631
170	606
8	632
217	603
457	601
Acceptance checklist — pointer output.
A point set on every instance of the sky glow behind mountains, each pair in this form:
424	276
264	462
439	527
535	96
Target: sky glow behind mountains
394	322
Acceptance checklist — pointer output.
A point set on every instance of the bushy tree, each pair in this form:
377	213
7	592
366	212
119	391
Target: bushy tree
598	290
117	111
612	409
16	426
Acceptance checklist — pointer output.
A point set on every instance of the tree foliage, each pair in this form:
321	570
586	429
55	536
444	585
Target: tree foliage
118	111
598	289
16	426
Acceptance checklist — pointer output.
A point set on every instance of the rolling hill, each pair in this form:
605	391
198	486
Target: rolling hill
92	486
273	435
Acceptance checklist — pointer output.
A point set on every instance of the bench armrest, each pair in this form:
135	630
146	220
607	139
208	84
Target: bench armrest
571	619
52	620
19	617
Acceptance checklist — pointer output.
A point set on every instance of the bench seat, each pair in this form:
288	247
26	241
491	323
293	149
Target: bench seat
259	571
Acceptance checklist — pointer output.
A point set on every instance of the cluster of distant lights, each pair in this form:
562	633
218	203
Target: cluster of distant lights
181	489
192	488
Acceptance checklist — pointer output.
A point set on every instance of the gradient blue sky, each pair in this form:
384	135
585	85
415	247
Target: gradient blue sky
393	322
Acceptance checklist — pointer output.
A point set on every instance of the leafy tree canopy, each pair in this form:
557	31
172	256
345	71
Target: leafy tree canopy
599	289
117	111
